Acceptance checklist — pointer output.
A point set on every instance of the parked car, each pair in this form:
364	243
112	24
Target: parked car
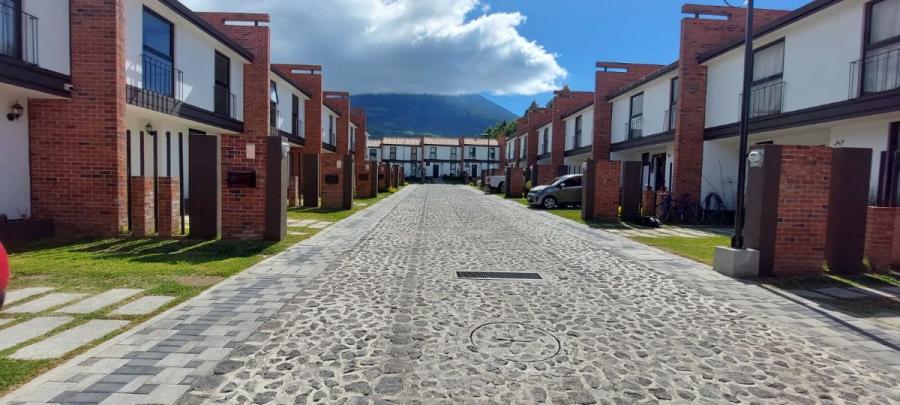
564	190
4	274
496	183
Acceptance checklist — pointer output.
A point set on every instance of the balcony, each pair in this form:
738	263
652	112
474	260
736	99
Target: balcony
162	89
766	99
634	128
18	34
875	74
224	102
274	115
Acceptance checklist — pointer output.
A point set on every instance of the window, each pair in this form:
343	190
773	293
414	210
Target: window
296	124
414	153
523	142
492	153
453	153
352	139
432	152
674	94
373	154
766	88
222	86
273	105
881	62
471	152
545	144
635	124
11	28
571	182
157	61
393	153
331	133
577	140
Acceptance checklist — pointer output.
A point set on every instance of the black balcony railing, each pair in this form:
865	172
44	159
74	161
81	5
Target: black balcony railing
161	78
766	99
669	119
634	128
18	34
879	72
224	102
274	115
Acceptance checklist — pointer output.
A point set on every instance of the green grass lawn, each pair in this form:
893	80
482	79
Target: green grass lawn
699	249
181	268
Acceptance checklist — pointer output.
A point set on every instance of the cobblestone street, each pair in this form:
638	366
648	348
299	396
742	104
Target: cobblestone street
371	311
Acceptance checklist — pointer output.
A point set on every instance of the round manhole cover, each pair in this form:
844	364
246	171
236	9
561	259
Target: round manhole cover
515	341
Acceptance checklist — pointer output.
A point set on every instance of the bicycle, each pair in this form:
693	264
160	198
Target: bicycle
714	212
679	211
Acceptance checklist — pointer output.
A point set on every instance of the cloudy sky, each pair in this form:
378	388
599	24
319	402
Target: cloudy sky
511	51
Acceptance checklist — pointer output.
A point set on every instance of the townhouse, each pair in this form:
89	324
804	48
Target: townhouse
441	157
405	152
429	157
479	154
137	116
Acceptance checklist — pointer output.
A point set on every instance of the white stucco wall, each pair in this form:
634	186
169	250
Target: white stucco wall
540	132
656	102
194	55
329	125
818	51
15	183
135	125
587	128
52	33
442	152
285	91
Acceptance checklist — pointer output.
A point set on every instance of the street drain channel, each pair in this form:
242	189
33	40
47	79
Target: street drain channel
506	275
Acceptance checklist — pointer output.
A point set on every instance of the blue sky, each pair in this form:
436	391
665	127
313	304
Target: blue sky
581	32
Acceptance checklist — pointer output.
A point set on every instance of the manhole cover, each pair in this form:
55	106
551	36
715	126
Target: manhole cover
515	341
498	275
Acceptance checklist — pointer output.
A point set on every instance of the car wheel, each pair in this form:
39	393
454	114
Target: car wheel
549	203
501	187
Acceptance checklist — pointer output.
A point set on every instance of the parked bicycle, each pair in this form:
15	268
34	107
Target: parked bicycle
714	212
681	211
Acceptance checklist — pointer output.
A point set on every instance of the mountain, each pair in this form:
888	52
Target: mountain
420	114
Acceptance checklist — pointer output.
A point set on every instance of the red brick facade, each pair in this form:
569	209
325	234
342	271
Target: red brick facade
384	176
515	182
244	208
395	176
339	102
607	174
564	102
142	208
77	146
363	179
535	118
542	174
169	201
609	78
333	185
883	238
309	79
803	195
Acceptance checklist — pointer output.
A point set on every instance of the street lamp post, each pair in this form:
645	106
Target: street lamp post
737	241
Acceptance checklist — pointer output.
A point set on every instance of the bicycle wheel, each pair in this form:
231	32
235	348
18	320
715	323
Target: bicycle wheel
664	213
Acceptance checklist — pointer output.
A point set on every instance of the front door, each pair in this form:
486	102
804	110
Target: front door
474	171
436	170
659	171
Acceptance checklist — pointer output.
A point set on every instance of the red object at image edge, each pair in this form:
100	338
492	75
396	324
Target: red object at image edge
4	269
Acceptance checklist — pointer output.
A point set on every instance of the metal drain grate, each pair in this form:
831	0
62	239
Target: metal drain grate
498	274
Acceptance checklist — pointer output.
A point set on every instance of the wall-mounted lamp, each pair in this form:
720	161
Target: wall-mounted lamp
15	111
148	128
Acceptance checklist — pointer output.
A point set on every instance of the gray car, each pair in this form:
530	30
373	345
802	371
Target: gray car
564	190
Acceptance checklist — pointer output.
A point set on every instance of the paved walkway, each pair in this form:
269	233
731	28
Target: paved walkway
371	310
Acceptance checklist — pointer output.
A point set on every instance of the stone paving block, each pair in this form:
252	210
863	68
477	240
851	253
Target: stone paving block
843	293
143	305
30	329
44	303
166	394
23	293
99	301
320	225
68	340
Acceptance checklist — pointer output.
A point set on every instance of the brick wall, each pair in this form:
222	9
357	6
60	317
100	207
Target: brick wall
339	102
169	201
542	174
648	203
77	146
244	208
535	118
606	190
607	82
333	183
699	35
564	102
516	182
501	149
395	176
384	176
803	194
142	209
363	187
883	238
309	79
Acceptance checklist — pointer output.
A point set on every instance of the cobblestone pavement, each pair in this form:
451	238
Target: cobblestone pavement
370	310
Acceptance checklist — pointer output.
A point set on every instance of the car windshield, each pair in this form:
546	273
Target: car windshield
557	180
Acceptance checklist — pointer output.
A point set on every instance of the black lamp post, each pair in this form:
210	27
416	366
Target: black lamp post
737	241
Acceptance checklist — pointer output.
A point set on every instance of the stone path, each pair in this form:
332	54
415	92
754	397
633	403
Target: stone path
370	310
100	301
68	340
143	305
21	294
30	329
44	303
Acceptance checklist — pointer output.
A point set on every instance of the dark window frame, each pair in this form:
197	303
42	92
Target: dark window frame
17	20
867	46
273	104
473	152
545	141
170	59
454	153
576	141
432	152
392	153
674	86
220	85
632	116
771	78
413	153
492	153
295	116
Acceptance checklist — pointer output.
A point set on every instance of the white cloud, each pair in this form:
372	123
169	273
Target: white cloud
405	46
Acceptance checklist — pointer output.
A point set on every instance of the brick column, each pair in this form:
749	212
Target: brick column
515	182
169	207
363	188
883	238
648	202
401	175
339	102
294	178
142	209
501	149
244	208
384	176
77	146
564	102
535	118
395	176
333	181
606	185
309	79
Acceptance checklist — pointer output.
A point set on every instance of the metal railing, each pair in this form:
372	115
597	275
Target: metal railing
224	102
301	131
18	34
274	115
161	78
634	128
874	74
669	119
766	99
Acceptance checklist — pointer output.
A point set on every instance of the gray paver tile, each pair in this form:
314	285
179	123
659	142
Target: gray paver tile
4	321
44	303
29	329
844	293
143	305
68	340
23	293
99	301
